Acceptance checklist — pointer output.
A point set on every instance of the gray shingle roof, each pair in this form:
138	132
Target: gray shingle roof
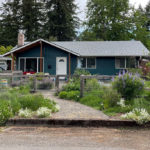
106	48
96	48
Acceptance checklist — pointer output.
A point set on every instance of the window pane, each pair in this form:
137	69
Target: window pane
131	62
91	63
120	63
31	64
22	63
82	63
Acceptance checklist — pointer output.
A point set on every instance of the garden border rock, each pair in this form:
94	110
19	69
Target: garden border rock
73	123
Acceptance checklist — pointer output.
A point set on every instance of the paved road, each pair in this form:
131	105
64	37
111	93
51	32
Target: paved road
72	110
37	138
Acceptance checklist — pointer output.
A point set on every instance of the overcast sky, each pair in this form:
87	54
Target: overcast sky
82	5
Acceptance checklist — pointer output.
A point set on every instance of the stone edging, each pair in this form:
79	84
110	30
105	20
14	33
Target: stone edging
73	123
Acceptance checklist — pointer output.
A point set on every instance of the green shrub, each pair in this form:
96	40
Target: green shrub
112	111
129	86
141	103
34	102
92	101
80	72
15	106
5	111
110	97
63	94
71	86
73	95
92	85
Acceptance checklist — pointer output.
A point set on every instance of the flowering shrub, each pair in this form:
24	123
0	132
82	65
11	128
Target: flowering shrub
128	85
43	112
25	113
56	108
141	116
121	103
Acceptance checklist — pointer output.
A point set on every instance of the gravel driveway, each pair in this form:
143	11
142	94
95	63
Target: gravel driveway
72	110
33	138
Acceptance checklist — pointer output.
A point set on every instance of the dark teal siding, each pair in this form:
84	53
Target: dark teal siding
50	53
104	65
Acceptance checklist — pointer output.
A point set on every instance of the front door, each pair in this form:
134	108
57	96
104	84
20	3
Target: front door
61	66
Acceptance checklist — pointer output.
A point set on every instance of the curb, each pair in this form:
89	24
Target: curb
73	123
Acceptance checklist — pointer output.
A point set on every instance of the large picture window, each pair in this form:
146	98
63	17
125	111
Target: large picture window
87	63
28	64
126	62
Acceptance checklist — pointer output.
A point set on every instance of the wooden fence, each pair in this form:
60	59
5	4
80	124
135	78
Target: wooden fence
56	80
83	79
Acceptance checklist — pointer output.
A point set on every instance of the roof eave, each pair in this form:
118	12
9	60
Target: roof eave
41	40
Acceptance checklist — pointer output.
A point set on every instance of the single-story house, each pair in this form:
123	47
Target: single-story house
62	58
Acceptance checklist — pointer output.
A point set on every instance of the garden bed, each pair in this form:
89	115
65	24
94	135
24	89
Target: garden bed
20	103
125	98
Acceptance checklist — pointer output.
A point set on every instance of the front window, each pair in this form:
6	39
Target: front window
120	63
126	62
87	63
27	64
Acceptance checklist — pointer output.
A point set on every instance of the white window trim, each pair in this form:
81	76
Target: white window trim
86	62
25	58
125	63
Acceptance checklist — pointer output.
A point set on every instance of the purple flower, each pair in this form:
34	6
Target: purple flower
113	79
120	75
124	72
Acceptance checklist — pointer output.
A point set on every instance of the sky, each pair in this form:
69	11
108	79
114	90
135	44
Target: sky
82	6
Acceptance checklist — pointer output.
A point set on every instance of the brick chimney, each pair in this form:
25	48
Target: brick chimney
20	39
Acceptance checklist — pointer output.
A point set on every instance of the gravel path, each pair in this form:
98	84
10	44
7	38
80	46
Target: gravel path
73	110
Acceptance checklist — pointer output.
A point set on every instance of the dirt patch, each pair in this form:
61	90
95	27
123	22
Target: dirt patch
75	138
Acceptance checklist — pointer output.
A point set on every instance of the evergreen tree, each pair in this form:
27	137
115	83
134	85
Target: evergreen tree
109	19
10	22
61	19
32	17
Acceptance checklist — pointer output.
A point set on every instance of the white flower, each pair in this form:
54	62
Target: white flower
139	115
26	113
43	112
121	103
57	108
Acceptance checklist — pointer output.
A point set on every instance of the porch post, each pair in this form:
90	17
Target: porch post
41	55
12	63
69	64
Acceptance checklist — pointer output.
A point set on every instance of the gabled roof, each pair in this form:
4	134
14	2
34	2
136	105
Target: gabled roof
106	48
96	48
16	48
